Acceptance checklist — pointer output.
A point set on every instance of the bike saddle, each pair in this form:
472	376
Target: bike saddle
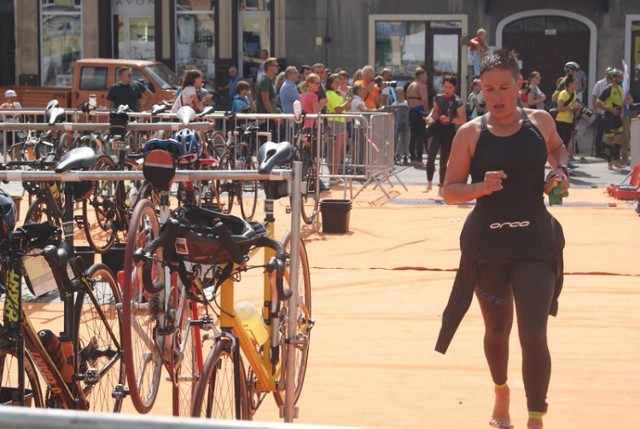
206	110
158	108
271	154
76	159
54	113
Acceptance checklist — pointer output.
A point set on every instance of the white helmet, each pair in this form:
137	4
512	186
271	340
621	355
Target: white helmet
10	93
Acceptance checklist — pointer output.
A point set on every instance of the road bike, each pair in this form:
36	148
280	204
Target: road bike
81	367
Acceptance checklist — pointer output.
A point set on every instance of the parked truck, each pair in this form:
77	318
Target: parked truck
95	76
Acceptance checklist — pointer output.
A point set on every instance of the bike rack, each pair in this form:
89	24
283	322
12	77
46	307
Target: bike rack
292	175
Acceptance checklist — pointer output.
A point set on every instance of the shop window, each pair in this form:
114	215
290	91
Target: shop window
400	46
60	41
195	37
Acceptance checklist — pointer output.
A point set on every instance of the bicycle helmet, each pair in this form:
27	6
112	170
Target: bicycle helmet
7	215
571	65
614	72
190	141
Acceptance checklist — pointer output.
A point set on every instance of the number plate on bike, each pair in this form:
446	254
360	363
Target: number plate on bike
117	144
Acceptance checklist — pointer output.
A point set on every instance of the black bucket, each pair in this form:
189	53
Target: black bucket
87	254
114	258
335	215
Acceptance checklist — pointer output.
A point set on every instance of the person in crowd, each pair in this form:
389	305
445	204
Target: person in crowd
264	55
568	107
402	127
305	69
581	76
418	99
357	75
243	101
570	69
337	125
230	86
473	101
535	96
522	94
370	91
288	91
279	81
477	50
598	88
188	96
309	100
320	70
387	95
266	100
611	101
11	102
511	245
344	89
125	91
447	113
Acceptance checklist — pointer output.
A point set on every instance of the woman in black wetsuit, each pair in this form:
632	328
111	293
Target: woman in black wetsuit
511	246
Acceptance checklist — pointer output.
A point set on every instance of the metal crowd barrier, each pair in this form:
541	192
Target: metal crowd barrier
32	418
294	176
368	154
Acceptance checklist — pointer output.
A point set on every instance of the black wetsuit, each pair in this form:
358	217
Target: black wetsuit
511	251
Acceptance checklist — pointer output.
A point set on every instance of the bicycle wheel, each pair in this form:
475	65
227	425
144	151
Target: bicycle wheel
100	212
222	390
187	371
9	380
248	193
143	363
39	212
215	145
309	177
227	188
98	342
304	326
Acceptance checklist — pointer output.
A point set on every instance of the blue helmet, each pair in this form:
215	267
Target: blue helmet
190	141
7	215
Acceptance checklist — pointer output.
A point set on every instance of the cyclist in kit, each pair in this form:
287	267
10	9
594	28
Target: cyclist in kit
511	245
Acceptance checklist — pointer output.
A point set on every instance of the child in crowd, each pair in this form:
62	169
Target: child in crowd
243	102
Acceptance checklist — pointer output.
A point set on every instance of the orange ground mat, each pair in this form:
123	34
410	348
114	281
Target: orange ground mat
378	296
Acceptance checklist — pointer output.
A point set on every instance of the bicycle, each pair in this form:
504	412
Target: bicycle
83	365
243	367
161	319
238	154
306	151
111	202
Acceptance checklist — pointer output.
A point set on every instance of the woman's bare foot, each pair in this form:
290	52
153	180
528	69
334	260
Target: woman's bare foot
534	423
500	417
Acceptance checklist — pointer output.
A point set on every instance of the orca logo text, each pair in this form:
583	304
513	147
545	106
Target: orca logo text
515	224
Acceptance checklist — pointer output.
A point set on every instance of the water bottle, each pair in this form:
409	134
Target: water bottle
252	322
56	347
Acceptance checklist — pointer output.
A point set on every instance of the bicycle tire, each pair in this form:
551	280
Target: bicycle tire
98	343
222	390
100	211
9	379
216	145
39	212
227	188
309	197
248	193
305	324
187	372
143	363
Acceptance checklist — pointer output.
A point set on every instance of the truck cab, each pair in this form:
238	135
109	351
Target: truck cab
96	75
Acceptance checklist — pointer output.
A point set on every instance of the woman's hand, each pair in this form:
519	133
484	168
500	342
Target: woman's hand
492	182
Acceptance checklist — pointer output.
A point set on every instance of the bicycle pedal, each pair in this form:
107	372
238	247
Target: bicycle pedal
79	220
120	391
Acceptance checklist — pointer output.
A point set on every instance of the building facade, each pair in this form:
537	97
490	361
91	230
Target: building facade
49	35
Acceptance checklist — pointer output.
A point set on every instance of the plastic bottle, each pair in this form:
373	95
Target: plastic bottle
56	347
252	322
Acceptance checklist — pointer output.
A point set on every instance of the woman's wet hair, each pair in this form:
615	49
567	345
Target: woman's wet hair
502	59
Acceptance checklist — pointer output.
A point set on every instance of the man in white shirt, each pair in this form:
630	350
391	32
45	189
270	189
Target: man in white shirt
598	88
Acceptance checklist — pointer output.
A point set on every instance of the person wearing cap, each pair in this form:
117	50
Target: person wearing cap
611	101
10	103
570	69
598	88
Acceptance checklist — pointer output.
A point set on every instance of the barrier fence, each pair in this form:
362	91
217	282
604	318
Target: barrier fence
366	154
31	418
